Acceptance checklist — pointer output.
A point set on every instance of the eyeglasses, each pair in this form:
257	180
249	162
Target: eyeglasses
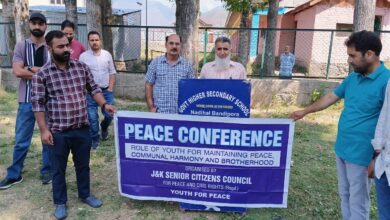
174	43
222	48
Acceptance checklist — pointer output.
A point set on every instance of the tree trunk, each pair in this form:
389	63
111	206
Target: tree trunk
364	15
107	19
243	44
71	14
8	17
94	16
187	15
270	39
21	15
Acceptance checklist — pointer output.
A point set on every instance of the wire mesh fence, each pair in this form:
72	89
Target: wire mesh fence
318	53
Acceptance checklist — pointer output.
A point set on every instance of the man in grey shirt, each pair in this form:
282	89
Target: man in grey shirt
29	56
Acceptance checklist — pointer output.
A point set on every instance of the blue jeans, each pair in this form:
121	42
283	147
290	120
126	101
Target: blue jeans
93	114
383	197
24	129
354	190
77	141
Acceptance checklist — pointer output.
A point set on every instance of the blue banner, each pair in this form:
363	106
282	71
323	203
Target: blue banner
215	97
202	160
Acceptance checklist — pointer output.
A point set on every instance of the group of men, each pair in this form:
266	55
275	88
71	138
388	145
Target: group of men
363	92
165	72
61	87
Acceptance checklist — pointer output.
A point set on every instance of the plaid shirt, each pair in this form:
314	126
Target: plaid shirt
287	62
62	95
165	79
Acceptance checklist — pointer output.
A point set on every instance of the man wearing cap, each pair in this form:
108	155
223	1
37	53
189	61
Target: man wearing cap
29	56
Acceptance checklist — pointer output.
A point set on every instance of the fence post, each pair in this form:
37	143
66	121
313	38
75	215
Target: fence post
329	54
205	41
146	48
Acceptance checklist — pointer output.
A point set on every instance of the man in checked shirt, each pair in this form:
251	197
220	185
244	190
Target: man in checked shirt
163	76
59	92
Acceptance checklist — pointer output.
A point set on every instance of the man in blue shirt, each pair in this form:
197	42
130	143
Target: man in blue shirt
163	76
363	92
287	62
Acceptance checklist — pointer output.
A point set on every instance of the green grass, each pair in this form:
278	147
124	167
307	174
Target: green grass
312	190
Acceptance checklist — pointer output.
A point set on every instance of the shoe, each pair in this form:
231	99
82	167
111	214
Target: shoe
104	133
95	145
7	183
92	201
46	179
60	212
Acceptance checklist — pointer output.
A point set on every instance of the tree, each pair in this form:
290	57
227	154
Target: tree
21	15
270	39
95	19
8	17
107	19
71	14
246	8
187	15
94	15
364	15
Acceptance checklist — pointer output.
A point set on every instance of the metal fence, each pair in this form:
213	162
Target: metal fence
319	53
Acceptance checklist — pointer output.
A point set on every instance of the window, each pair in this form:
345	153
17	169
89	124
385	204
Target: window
346	30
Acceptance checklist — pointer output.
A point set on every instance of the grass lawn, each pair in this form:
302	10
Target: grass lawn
312	190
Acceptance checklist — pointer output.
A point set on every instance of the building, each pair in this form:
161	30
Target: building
126	39
317	52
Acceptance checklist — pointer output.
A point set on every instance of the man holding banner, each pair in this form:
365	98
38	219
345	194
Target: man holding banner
222	67
162	78
363	92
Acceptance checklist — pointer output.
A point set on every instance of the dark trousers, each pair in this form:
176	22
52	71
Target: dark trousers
79	142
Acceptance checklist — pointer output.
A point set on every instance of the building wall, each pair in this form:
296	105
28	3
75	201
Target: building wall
263	24
287	37
327	17
385	37
80	3
304	39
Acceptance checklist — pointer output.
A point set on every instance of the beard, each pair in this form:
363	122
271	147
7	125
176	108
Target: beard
37	33
362	69
61	58
222	64
70	39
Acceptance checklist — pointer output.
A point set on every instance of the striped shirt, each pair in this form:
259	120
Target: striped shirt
24	53
165	79
62	94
